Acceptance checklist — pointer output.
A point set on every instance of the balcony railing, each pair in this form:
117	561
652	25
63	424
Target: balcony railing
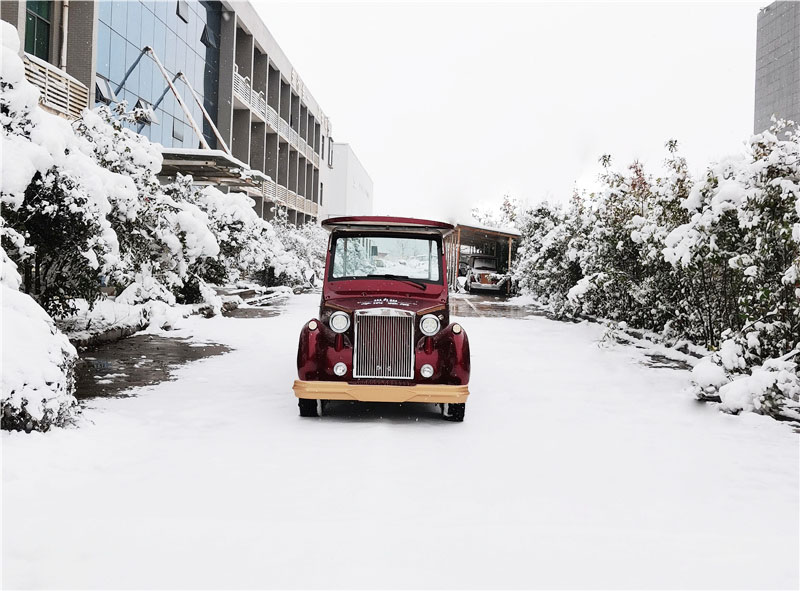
244	90
59	91
282	196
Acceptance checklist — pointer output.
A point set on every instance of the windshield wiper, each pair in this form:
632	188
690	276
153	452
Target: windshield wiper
405	278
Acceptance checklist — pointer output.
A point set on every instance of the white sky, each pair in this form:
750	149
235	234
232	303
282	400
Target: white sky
452	104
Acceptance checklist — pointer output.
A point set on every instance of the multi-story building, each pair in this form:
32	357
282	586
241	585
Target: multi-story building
350	187
777	64
214	87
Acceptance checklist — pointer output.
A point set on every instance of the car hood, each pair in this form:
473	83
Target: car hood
363	302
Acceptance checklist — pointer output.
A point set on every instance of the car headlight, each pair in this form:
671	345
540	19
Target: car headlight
339	321
429	325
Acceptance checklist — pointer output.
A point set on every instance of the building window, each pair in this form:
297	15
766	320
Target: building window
322	148
182	10
103	92
37	29
209	38
321	190
330	153
145	112
177	129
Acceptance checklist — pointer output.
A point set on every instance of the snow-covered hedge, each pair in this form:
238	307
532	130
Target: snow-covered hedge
82	207
714	260
37	360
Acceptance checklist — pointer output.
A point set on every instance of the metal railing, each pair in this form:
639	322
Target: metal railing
272	117
243	88
59	91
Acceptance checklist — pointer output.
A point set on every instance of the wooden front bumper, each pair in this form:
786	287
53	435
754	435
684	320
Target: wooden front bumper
433	393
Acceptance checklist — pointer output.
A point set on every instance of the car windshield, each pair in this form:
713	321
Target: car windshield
392	256
484	264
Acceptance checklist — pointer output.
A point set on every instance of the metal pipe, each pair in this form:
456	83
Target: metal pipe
205	113
64	32
185	109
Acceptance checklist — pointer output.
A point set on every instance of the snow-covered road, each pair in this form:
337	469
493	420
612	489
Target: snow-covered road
576	466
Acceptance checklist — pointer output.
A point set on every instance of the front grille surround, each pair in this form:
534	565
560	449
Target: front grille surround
384	344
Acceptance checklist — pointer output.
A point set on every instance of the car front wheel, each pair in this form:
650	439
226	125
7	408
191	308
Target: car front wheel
454	411
309	407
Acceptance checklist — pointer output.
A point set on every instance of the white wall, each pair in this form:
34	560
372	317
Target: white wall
349	189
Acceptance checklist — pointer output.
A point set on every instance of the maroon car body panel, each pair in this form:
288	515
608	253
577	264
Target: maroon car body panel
321	348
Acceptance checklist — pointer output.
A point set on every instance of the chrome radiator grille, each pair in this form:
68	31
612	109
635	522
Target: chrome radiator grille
384	344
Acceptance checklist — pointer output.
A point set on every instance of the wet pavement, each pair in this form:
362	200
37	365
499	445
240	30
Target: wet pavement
112	369
140	360
253	312
492	306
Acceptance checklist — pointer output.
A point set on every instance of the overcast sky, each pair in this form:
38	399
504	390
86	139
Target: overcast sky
452	104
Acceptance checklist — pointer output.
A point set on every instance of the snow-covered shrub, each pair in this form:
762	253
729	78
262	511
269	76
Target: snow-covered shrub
303	260
715	262
546	263
247	242
37	360
55	197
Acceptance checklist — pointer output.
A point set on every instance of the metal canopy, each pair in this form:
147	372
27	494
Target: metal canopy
210	166
468	239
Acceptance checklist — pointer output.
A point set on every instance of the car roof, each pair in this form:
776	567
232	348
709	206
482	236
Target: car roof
390	223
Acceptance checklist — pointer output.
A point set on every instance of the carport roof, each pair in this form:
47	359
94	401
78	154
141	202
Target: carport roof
474	235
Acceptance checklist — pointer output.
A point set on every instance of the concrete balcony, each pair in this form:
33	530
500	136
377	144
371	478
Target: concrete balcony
275	193
243	91
60	92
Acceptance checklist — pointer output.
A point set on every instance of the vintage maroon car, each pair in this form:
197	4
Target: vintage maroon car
384	332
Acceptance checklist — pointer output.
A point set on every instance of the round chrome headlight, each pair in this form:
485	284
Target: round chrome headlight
426	370
429	325
339	321
340	369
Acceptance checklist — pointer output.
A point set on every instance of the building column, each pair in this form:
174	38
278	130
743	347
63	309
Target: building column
227	57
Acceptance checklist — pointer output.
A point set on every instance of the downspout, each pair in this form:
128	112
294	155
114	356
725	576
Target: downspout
64	32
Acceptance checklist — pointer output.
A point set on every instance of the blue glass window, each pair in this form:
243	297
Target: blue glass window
148	28
146	66
103	49
105	11
160	39
134	23
169	55
180	57
172	17
117	69
119	16
131	55
161	10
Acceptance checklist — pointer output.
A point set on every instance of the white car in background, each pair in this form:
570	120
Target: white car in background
482	275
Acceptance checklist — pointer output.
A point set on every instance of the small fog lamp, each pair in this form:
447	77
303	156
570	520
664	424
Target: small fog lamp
429	325
339	322
340	369
312	325
456	328
426	370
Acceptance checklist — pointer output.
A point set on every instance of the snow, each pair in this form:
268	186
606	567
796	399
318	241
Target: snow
577	466
36	359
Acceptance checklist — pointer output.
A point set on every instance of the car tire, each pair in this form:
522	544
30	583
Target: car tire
309	407
454	411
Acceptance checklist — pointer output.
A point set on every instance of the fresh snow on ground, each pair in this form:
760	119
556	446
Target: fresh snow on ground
576	466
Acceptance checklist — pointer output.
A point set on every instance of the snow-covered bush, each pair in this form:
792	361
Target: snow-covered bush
546	262
37	360
303	260
714	261
54	196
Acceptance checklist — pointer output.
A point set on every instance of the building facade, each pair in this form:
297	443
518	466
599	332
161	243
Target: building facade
777	64
214	88
351	189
